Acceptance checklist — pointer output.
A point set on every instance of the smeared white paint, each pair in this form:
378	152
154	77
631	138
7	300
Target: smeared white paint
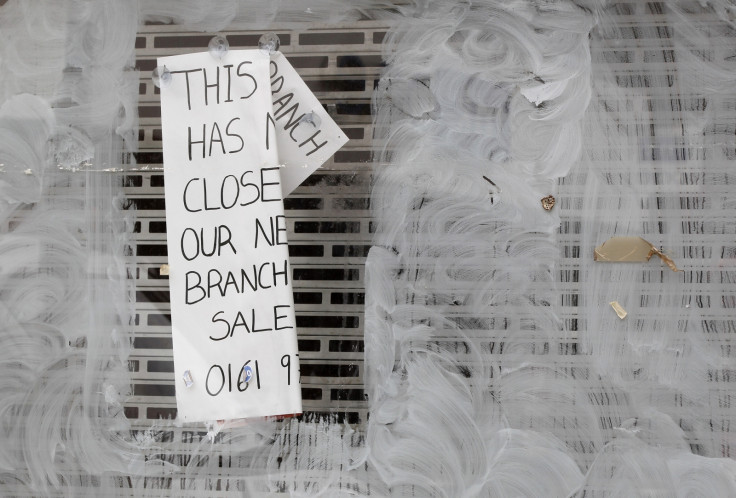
64	303
460	268
472	387
461	296
317	468
32	47
220	15
26	123
666	358
630	467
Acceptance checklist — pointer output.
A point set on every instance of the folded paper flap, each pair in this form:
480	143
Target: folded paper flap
306	134
628	250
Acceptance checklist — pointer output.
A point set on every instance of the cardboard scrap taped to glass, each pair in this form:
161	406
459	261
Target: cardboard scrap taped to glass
628	250
239	133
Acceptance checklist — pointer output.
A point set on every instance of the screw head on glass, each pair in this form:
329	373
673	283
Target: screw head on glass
218	46
269	42
161	76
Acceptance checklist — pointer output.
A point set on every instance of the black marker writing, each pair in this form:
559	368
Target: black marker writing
277	225
231	191
193	243
216	378
252	279
215	136
210	84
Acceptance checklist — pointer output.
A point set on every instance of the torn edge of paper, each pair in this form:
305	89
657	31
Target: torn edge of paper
620	311
630	249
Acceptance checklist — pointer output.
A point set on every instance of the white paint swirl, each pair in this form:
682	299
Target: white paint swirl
494	365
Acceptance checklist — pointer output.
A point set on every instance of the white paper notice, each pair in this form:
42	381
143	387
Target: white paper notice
233	325
306	135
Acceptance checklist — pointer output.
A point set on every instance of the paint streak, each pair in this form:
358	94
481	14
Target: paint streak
650	135
64	291
494	365
460	287
465	338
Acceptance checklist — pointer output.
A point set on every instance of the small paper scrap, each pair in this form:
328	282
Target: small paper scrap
628	250
164	270
620	311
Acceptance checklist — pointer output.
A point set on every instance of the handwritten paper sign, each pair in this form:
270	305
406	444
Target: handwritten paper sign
233	325
306	134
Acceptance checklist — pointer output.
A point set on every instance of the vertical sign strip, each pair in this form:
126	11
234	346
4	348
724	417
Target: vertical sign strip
233	325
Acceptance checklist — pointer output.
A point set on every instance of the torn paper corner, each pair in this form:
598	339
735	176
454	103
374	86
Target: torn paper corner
306	135
630	250
620	311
